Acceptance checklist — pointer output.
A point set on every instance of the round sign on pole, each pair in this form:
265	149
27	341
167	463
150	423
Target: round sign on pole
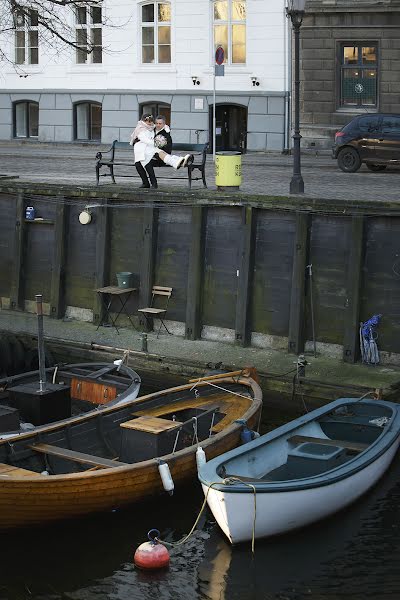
219	55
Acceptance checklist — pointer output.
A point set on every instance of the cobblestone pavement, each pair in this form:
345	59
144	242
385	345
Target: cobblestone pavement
263	173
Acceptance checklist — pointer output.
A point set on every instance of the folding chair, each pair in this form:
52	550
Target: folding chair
160	313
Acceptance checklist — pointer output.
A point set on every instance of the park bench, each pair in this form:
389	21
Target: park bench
121	155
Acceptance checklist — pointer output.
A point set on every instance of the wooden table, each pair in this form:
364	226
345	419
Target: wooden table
107	294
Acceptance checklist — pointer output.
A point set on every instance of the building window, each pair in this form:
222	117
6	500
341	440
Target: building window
358	78
26	37
87	121
156	109
26	119
89	36
230	29
156	33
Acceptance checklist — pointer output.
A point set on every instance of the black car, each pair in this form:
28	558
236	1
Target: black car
372	139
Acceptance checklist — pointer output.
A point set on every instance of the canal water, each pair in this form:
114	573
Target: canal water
354	555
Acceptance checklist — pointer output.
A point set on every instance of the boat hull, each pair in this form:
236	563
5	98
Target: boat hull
36	499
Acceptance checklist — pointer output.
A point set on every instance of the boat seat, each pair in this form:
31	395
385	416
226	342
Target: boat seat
354	446
11	471
80	457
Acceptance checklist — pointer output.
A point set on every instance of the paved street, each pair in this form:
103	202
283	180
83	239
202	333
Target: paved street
263	173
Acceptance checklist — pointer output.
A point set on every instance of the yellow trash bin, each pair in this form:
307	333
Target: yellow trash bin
228	170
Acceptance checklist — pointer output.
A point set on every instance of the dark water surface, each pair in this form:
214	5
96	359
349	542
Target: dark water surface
355	555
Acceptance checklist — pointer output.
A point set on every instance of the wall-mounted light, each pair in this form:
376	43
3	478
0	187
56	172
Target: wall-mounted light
254	81
196	80
85	217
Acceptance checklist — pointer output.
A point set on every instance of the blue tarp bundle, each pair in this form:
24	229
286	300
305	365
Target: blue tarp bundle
368	337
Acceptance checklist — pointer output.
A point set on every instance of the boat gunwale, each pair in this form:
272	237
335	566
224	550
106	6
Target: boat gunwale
343	471
256	404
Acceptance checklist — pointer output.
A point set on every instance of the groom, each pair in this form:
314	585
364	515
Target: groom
163	141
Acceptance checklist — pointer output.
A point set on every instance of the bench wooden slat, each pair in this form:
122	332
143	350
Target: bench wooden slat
356	446
81	457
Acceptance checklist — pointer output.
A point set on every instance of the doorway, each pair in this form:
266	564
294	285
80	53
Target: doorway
231	127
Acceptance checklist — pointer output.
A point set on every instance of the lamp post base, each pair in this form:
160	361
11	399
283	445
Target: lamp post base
297	185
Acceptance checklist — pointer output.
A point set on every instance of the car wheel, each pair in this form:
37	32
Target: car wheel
349	160
376	168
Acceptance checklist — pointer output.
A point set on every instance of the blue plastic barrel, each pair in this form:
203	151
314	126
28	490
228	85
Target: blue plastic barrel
29	213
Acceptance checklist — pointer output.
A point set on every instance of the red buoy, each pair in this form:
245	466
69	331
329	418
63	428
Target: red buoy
151	554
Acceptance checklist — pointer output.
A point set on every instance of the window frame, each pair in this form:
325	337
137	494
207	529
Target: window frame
89	104
27	14
230	23
155	25
27	117
359	44
156	108
89	26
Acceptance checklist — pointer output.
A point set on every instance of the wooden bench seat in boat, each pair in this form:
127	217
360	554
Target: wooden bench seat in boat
81	457
355	446
11	471
151	424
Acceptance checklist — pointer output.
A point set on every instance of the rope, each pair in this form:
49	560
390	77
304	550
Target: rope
176	440
227	481
195	436
223	389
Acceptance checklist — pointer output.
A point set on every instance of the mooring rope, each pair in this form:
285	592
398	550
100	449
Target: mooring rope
227	481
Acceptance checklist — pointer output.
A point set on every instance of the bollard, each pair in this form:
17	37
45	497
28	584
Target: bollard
144	342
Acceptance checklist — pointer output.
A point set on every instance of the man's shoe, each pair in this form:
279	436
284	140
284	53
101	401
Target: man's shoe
188	159
154	185
144	185
181	162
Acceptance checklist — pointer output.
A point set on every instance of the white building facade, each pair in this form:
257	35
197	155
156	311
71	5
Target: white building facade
151	56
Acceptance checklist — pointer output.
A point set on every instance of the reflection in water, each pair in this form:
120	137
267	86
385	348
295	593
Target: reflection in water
352	556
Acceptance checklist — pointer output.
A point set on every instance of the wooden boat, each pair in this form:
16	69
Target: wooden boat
28	401
302	471
111	458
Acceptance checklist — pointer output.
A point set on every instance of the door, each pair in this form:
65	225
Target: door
388	146
231	127
369	134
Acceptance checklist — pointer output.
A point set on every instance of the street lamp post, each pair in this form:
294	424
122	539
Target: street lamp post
295	10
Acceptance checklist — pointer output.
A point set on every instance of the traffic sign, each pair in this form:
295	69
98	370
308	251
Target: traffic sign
219	55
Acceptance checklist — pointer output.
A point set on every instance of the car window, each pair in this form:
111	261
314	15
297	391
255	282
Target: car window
369	123
391	125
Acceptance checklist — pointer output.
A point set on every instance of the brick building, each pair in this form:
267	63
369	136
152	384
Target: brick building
350	61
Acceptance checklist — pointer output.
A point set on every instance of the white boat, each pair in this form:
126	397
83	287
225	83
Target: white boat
303	471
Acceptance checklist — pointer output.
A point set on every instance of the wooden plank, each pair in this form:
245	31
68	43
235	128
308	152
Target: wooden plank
17	287
93	392
150	228
300	439
80	457
351	340
245	279
11	471
150	424
242	372
195	274
57	291
296	339
102	255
